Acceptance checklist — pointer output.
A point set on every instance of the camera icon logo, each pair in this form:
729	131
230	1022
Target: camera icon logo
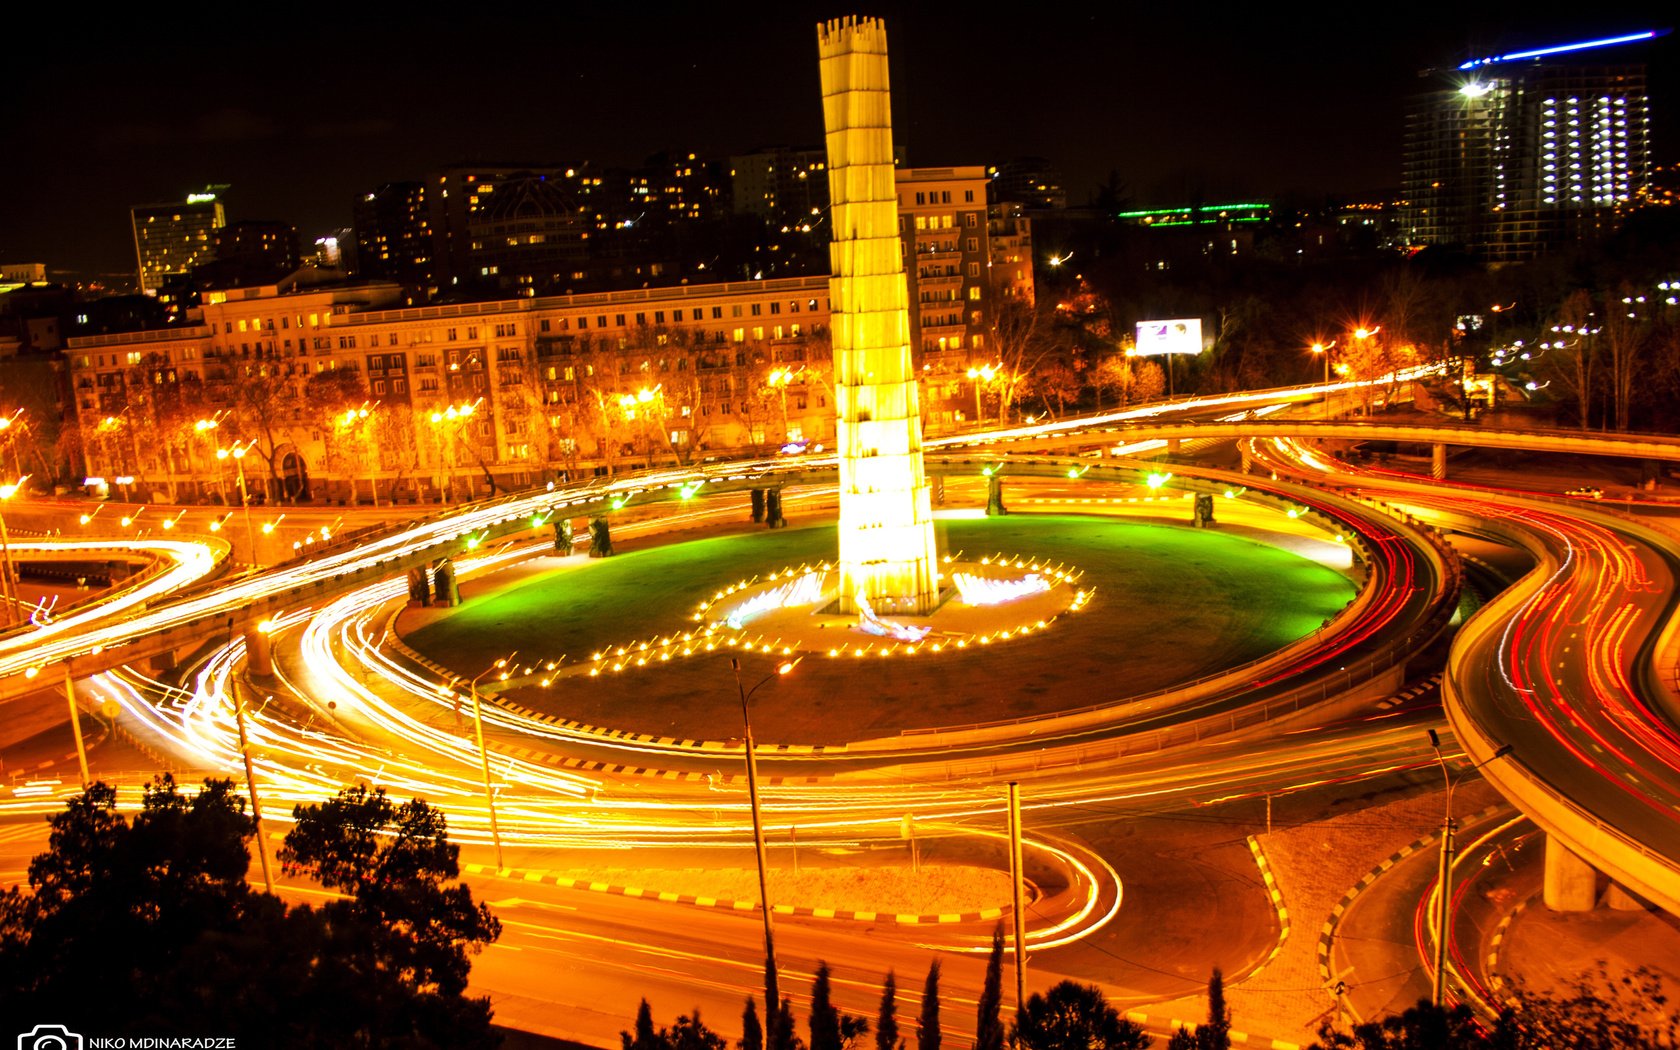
49	1037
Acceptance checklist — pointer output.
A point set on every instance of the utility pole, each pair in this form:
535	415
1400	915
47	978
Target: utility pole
1018	878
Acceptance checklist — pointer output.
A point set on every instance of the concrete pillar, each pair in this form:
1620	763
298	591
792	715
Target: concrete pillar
259	653
1571	883
1247	460
1173	445
163	662
1438	462
994	497
1620	898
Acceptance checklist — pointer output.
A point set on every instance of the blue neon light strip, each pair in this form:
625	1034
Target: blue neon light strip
1583	45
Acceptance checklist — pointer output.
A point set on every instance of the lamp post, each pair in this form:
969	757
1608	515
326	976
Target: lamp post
446	463
778	381
981	376
632	404
1323	350
207	428
351	418
484	753
238	454
6	423
1444	886
8	575
772	985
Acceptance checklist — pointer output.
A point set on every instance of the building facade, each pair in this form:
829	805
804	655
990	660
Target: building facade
170	239
517	390
1518	154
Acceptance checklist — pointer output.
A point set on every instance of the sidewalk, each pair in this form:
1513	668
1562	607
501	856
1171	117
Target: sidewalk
1315	865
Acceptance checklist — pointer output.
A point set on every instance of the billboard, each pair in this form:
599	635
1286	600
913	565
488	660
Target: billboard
1182	336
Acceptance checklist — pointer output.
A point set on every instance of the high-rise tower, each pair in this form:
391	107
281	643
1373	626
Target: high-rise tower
171	239
887	550
1522	152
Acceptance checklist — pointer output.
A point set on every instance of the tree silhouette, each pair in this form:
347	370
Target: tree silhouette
988	1029
1074	1016
886	1019
927	1023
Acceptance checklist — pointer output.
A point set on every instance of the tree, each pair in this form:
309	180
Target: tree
156	916
688	1033
117	903
927	1023
752	1033
988	1029
394	862
1598	1011
1215	1032
1422	1027
831	1029
643	1037
1074	1016
886	1019
1571	360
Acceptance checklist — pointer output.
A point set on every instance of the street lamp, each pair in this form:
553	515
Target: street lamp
451	415
981	376
778	381
1323	350
238	454
351	418
772	989
630	402
7	575
484	754
6	423
205	427
1444	887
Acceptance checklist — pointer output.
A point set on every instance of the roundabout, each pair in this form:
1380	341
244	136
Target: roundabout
627	652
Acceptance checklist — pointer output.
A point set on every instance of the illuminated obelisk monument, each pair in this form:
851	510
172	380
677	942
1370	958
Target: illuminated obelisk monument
887	553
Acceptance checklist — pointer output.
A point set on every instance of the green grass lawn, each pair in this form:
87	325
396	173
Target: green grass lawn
1171	604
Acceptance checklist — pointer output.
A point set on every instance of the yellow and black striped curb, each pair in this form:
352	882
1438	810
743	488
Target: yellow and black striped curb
1497	945
1327	933
1412	693
1276	895
539	875
1173	1024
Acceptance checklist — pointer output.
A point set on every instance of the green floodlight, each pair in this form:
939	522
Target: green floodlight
1077	472
1294	512
536	521
1156	480
472	543
618	502
689	488
987	471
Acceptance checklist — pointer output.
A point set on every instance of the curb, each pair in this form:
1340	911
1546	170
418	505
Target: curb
1327	933
540	875
1498	943
1432	682
1277	903
1238	1038
610	736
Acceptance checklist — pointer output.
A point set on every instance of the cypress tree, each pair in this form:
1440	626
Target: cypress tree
927	1024
988	1029
752	1033
886	1020
824	1019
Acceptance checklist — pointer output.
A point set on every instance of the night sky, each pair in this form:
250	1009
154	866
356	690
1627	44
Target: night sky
1180	99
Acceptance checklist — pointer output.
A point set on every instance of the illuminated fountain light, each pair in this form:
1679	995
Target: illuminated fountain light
870	623
802	590
979	590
